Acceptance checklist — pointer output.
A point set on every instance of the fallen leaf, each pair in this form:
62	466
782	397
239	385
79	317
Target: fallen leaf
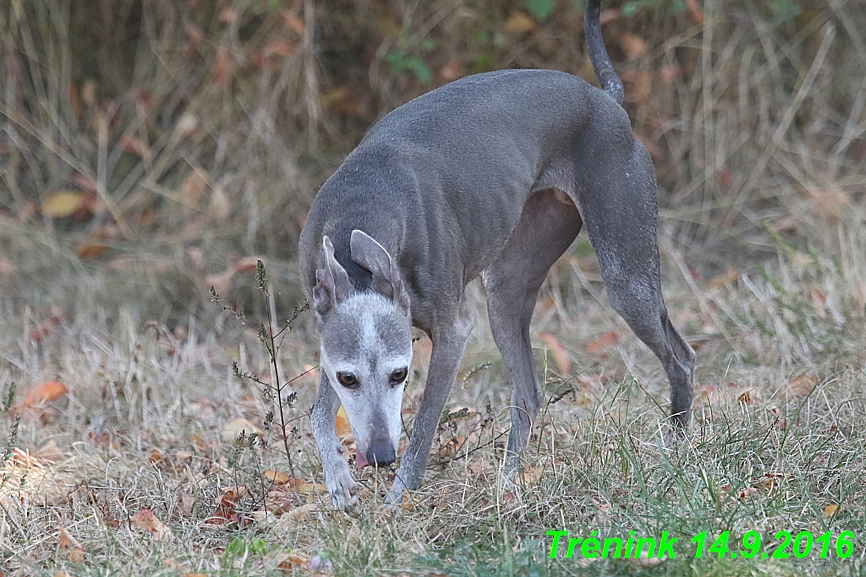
668	73
63	203
185	502
277	502
223	66
44	393
641	85
831	511
609	15
610	338
234	429
58	315
531	476
7	270
745	398
451	71
50	452
343	427
222	281
802	385
145	519
227	505
633	45
192	189
278	477
278	48
729	277
860	296
298	513
696	11
595	348
560	355
228	15
832	202
519	23
70	547
290	561
293	22
820	303
135	145
408	502
90	249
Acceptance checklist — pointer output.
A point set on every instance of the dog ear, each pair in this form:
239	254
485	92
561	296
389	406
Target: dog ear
386	276
332	282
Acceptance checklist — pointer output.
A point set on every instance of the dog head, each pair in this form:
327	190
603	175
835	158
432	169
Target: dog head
366	345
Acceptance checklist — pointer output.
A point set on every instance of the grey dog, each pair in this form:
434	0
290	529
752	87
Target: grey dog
491	175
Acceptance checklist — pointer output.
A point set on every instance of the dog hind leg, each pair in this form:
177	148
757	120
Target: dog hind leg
620	211
546	229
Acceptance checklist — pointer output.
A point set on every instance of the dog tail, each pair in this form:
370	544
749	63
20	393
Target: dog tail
598	54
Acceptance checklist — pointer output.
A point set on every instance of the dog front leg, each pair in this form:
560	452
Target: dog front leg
338	477
448	348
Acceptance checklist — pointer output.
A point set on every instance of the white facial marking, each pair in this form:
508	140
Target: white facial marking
375	341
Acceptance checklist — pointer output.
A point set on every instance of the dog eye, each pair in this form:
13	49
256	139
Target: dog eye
399	376
348	380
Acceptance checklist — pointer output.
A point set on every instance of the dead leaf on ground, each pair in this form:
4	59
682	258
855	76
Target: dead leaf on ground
227	505
7	270
192	189
831	202
90	248
299	513
278	49
278	477
146	520
639	85
63	203
343	428
519	23
530	477
222	281
50	452
58	315
729	277
135	145
186	502
696	11
633	45
599	347
560	354
820	303
44	393
293	22
801	386
831	511
609	15
234	429
73	550
451	71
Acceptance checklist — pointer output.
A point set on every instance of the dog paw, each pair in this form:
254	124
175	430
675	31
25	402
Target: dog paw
395	495
343	489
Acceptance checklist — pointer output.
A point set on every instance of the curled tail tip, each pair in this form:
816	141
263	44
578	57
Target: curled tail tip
601	63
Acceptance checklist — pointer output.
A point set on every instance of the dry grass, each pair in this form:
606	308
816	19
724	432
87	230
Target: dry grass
756	123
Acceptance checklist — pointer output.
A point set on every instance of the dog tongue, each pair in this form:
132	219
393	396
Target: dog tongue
360	460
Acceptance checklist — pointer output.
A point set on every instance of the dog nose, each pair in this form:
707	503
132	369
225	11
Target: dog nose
381	454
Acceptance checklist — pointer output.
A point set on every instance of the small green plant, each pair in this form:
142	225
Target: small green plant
632	7
239	550
5	408
271	339
540	9
405	57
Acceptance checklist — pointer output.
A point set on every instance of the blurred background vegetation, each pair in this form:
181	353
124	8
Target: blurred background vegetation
152	148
